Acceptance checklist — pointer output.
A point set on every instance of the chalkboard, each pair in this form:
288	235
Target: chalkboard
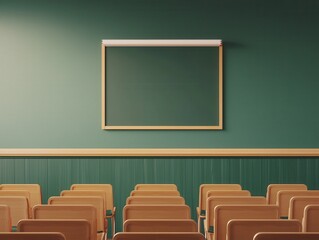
158	84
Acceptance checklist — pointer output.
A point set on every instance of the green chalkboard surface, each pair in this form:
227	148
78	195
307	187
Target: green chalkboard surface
161	87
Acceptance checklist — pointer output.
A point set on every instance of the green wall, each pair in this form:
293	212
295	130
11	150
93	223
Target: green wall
50	70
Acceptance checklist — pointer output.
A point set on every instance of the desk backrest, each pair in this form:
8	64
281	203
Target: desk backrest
225	213
212	202
297	206
5	219
155	187
108	188
284	196
310	220
204	188
87	212
158	236
247	229
97	202
155	200
76	229
32	236
156	212
273	189
19	208
286	236
160	225
154	193
33	189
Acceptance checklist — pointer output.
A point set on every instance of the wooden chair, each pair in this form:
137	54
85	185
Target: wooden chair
247	229
156	212
227	193
297	206
158	236
109	199
32	236
155	200
87	212
155	187
310	220
33	189
225	213
19	208
18	193
5	219
160	225
284	196
203	189
97	202
75	229
286	236
153	193
273	189
212	202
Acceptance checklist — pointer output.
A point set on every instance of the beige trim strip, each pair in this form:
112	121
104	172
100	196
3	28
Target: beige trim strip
160	152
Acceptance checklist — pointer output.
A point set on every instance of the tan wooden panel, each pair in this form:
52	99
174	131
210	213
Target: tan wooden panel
5	219
19	208
155	187
97	202
32	236
156	212
286	236
297	206
158	236
284	196
212	202
273	189
159	225
155	200
247	229
155	193
310	220
225	213
72	229
87	212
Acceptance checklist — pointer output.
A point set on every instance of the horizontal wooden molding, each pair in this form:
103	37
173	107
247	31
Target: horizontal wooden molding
159	152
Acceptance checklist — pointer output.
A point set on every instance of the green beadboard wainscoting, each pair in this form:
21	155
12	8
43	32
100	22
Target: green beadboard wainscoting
254	174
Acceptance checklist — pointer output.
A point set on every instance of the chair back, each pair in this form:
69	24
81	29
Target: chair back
160	225
19	208
154	193
76	229
310	220
247	229
87	212
297	206
156	212
273	189
225	213
33	189
158	236
97	202
155	200
5	219
212	202
284	196
32	236
155	187
286	236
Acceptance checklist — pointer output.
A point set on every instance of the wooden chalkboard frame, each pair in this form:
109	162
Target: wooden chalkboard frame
163	43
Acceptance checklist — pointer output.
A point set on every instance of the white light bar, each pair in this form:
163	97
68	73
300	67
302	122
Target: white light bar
162	42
